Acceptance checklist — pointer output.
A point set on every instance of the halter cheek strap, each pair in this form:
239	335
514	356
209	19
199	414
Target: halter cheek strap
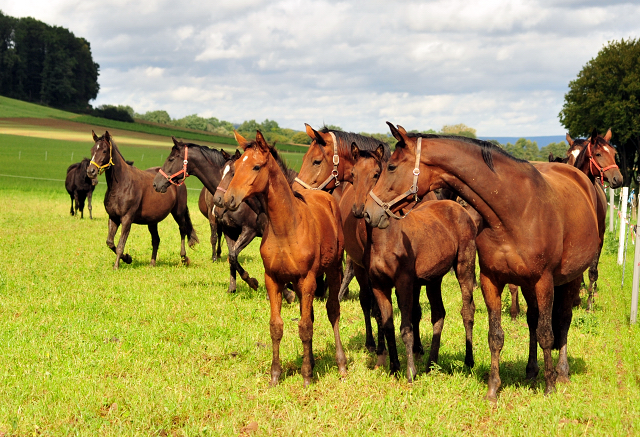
334	172
594	163
412	191
102	168
183	171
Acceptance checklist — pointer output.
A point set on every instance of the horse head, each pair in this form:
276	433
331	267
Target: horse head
321	167
228	172
364	175
101	155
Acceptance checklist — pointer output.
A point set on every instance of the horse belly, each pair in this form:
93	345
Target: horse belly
155	207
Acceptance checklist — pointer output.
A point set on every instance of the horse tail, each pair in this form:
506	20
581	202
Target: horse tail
190	230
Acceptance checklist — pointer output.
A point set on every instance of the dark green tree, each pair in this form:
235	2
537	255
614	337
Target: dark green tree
606	94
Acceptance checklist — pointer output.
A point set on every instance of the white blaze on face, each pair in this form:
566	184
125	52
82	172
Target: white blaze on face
245	158
227	167
575	153
606	149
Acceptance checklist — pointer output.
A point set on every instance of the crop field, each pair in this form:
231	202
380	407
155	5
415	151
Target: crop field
166	351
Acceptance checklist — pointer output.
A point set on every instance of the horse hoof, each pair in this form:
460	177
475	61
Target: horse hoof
231	291
551	388
492	398
253	283
127	258
289	295
307	382
186	261
563	379
371	347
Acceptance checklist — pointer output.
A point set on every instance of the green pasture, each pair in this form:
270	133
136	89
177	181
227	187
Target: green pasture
166	351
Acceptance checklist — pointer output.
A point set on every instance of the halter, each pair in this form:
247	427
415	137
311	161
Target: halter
412	191
594	163
184	170
334	172
102	168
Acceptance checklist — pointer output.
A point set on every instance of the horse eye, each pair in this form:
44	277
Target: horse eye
598	154
376	175
392	167
317	162
256	168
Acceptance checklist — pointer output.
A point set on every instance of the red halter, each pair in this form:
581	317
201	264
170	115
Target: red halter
184	170
593	163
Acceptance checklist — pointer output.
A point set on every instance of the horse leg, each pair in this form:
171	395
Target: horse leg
246	236
77	202
532	321
71	210
334	279
466	275
219	242
416	317
349	273
515	305
124	234
593	278
434	294
155	242
89	197
544	291
383	297
366	298
491	291
405	291
232	266
275	325
81	199
305	288
562	315
213	225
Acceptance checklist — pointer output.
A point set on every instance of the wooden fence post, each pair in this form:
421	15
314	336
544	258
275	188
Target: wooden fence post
623	226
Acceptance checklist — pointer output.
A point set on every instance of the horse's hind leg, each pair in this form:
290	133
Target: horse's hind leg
89	197
491	292
366	301
515	304
346	278
77	202
562	315
246	236
71	210
383	297
334	279
593	278
405	291
155	242
215	236
532	368
438	313
232	265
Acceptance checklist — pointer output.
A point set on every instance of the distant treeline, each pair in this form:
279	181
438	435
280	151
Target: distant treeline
46	64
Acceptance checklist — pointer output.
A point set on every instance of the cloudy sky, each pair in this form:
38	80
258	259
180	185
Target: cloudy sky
501	67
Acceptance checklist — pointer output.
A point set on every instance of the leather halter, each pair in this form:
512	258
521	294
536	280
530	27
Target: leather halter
412	191
594	163
334	172
184	170
102	168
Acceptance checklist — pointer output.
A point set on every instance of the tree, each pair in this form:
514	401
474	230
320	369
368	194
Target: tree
524	149
458	129
161	117
606	94
558	150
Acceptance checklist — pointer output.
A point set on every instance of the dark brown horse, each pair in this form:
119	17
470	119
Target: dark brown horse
130	198
80	187
327	166
415	250
539	231
208	165
205	204
303	239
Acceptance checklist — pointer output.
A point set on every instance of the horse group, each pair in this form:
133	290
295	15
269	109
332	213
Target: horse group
535	225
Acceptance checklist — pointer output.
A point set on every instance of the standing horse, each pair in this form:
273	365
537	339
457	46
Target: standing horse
539	231
205	204
130	198
80	187
327	165
596	158
207	165
417	249
303	239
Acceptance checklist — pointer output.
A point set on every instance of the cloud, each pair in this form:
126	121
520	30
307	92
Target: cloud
501	67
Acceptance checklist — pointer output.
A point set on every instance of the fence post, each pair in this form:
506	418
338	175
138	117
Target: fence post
612	217
636	279
623	217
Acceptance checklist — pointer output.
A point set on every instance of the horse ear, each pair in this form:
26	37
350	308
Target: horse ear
594	135
315	135
380	152
242	142
175	141
238	154
261	142
95	137
608	135
569	139
107	136
396	134
355	151
225	155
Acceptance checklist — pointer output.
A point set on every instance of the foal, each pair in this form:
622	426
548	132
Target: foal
303	238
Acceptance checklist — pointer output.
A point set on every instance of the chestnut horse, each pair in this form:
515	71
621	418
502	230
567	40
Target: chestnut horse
80	187
303	239
415	250
326	166
207	165
539	231
130	198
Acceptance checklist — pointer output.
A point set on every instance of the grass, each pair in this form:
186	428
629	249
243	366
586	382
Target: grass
86	350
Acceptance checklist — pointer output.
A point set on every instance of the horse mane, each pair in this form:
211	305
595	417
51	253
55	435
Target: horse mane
364	143
213	156
486	147
582	156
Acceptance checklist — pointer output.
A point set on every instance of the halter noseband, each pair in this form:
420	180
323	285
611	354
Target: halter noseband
412	191
334	172
594	163
184	170
102	168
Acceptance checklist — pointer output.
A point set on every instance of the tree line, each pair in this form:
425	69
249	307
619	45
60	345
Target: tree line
46	64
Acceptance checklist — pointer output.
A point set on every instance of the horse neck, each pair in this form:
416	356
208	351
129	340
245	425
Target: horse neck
280	202
119	171
490	193
209	174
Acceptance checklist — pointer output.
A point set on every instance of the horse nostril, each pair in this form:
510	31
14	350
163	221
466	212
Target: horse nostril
367	218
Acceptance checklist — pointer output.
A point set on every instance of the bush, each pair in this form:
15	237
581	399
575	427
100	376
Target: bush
113	113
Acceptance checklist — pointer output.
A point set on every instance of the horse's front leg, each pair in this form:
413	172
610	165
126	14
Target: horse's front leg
89	196
276	324
334	279
438	313
405	294
366	301
246	236
515	304
306	288
383	297
155	242
533	315
124	234
491	292
544	291
562	315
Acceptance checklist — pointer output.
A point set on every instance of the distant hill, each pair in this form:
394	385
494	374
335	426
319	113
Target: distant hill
542	140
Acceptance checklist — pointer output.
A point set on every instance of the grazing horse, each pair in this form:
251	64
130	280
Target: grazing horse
303	239
327	165
80	187
207	165
539	231
596	158
130	198
417	249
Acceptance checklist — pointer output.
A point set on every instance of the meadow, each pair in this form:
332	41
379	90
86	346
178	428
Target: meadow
85	350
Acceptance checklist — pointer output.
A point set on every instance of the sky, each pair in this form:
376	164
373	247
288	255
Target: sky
501	67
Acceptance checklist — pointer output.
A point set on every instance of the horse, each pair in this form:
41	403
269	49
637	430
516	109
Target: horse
327	165
205	204
303	239
207	165
539	231
596	158
417	249
80	187
131	199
